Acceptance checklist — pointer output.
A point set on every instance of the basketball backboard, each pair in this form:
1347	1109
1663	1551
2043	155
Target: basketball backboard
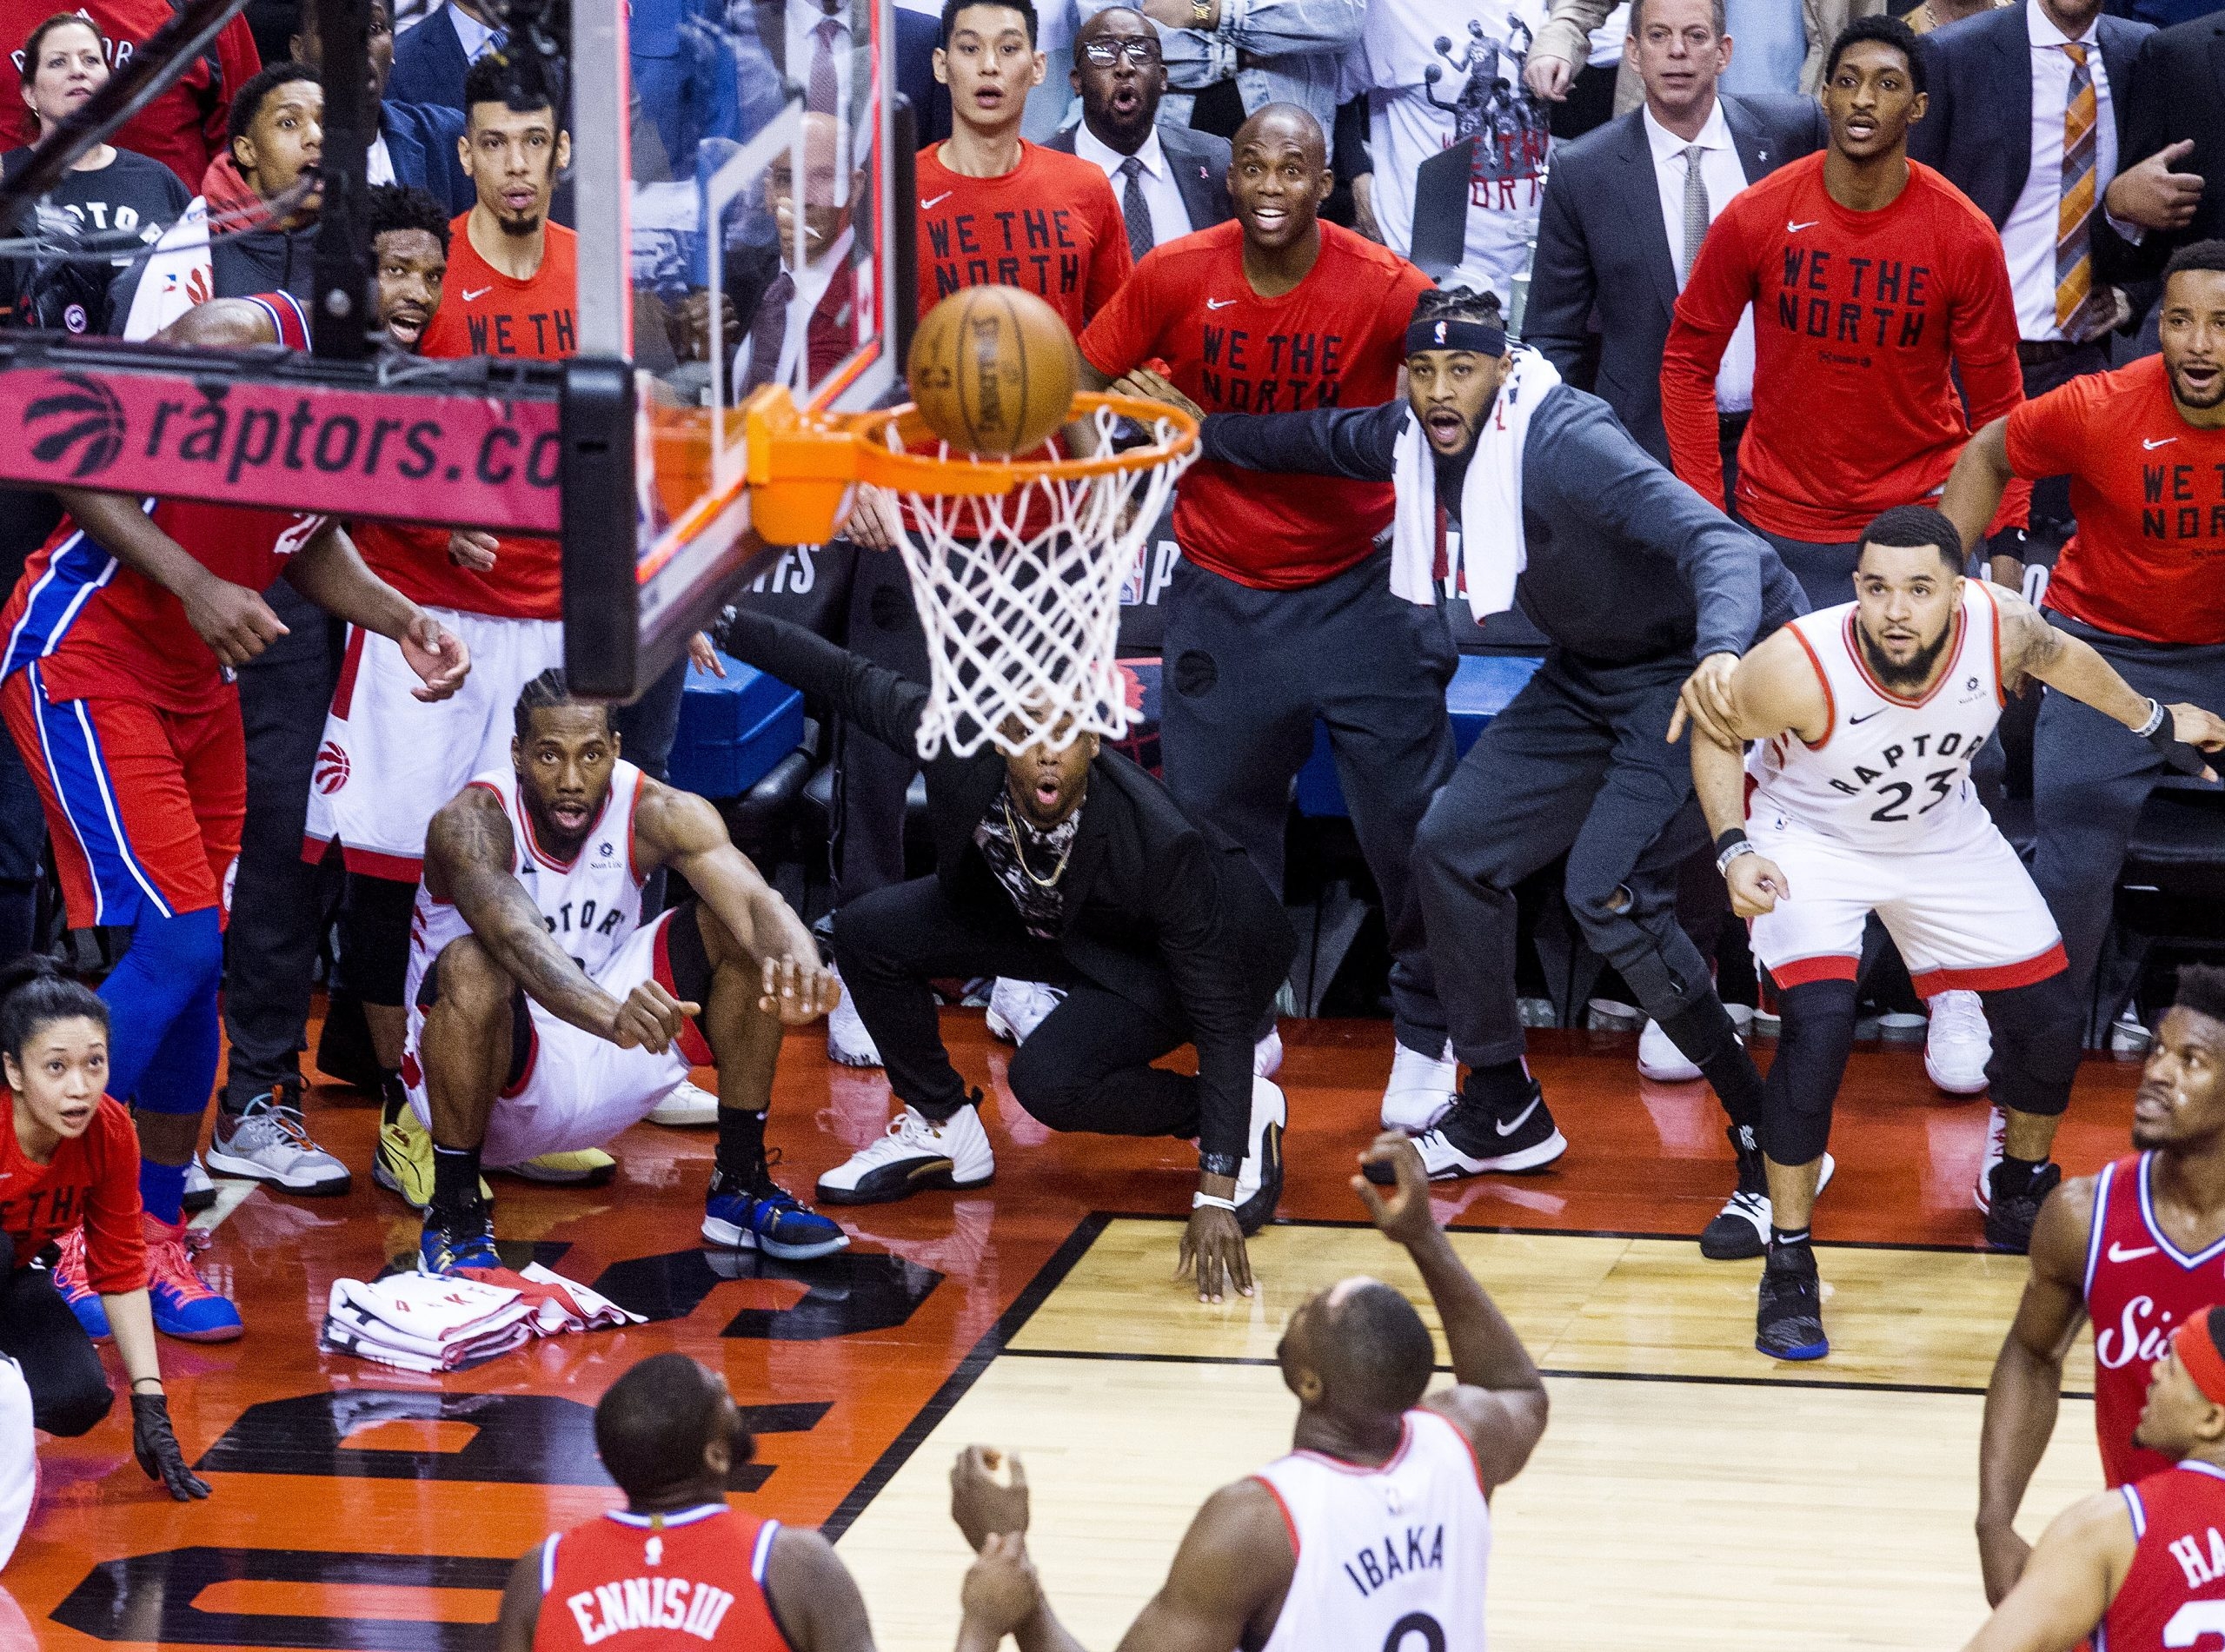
739	168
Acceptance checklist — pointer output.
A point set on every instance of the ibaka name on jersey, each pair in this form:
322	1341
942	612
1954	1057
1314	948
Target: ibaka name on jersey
1422	1549
649	1603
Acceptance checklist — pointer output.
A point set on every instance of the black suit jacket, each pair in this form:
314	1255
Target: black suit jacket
1199	162
428	64
1603	250
1171	916
2177	87
1978	128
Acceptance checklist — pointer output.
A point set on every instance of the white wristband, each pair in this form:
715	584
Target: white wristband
2155	716
1203	1201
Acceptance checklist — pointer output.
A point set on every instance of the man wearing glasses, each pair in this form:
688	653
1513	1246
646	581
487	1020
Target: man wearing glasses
1169	180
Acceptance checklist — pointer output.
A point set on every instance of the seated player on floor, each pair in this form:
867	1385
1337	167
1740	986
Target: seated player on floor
545	1015
2138	1568
1858	799
1076	868
676	1557
70	1183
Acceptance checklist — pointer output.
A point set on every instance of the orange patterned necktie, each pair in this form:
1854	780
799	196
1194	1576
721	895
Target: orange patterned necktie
2079	309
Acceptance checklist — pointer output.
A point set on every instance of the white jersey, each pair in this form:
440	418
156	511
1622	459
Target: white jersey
1889	773
1391	1557
592	906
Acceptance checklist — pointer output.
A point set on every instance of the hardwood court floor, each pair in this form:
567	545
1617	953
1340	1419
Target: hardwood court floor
1688	1490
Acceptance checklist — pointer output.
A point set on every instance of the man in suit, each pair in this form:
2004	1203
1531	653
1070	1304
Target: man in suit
2172	151
2029	106
416	144
1612	235
1169	180
1072	866
429	61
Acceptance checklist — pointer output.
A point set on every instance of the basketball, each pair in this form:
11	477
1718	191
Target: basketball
994	370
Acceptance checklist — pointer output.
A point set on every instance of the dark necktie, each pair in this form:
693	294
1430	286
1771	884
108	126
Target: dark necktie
768	333
1134	209
825	90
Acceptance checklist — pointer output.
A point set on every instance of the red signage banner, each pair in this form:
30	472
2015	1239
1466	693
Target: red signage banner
450	458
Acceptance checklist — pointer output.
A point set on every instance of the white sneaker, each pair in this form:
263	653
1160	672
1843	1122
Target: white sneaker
686	1104
847	1041
199	1192
915	1155
1421	1090
1017	1008
1660	1059
1958	1044
1260	1178
2129	1034
1267	1055
269	1142
1996	1145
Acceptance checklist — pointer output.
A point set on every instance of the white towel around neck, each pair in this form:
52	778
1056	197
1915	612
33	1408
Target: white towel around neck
1493	553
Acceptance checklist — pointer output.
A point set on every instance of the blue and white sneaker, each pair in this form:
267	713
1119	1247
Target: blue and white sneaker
453	1243
765	1217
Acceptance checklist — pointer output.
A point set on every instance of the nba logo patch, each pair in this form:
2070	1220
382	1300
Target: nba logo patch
1132	588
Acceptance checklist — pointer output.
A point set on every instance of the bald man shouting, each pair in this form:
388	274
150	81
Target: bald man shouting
1281	610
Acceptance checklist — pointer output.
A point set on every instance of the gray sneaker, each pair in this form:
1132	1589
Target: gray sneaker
267	1142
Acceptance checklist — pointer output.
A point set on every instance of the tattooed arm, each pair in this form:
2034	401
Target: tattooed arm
469	853
2030	647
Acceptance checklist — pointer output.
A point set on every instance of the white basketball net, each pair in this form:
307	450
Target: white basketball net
1020	596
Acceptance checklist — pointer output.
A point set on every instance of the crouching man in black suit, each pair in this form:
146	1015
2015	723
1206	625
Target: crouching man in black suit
1075	867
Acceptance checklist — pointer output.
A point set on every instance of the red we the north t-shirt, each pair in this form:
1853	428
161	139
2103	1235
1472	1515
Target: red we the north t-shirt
91	1182
1336	339
1861	321
2148	490
1050	226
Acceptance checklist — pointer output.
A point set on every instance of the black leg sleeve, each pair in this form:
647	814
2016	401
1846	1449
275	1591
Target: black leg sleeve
2036	1034
69	1392
375	936
1803	1081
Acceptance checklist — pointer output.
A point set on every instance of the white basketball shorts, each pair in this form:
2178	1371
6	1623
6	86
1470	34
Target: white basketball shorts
389	762
575	1090
1965	915
18	1456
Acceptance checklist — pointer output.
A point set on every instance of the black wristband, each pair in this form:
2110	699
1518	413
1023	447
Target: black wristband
2174	752
1219	1165
1724	839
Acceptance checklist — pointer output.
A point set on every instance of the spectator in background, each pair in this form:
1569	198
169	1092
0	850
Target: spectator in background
111	196
1937	14
1425	99
1228	59
2027	117
1616	237
2172	143
184	126
430	61
1169	181
1776	59
416	143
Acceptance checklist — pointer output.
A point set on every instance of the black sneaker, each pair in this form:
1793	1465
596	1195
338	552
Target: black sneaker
454	1240
1789	1321
2010	1217
1475	1139
1741	1229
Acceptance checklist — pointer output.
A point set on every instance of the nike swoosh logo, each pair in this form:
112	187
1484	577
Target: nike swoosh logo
1218	303
2152	446
929	206
1507	1129
2118	1253
1797	227
1865	717
469	293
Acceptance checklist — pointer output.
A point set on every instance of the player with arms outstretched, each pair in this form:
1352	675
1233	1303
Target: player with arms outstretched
677	1568
1375	1530
1858	799
2135	1250
546	1015
2139	1568
119	638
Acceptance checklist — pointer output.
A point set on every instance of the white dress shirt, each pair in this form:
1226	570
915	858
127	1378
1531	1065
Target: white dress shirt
378	162
1170	214
2028	237
1725	176
472	34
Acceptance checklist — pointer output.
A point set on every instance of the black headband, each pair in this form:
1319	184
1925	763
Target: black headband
1484	338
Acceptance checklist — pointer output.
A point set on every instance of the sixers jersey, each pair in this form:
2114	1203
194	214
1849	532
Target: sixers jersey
591	903
97	629
2140	1287
648	1582
2174	1592
1889	772
1387	1557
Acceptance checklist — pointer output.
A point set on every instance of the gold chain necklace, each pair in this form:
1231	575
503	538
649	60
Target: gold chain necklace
1020	853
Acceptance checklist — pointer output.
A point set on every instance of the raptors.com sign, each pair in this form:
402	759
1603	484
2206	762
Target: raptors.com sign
454	460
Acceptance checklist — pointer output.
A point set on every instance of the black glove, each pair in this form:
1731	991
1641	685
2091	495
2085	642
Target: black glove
155	1446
